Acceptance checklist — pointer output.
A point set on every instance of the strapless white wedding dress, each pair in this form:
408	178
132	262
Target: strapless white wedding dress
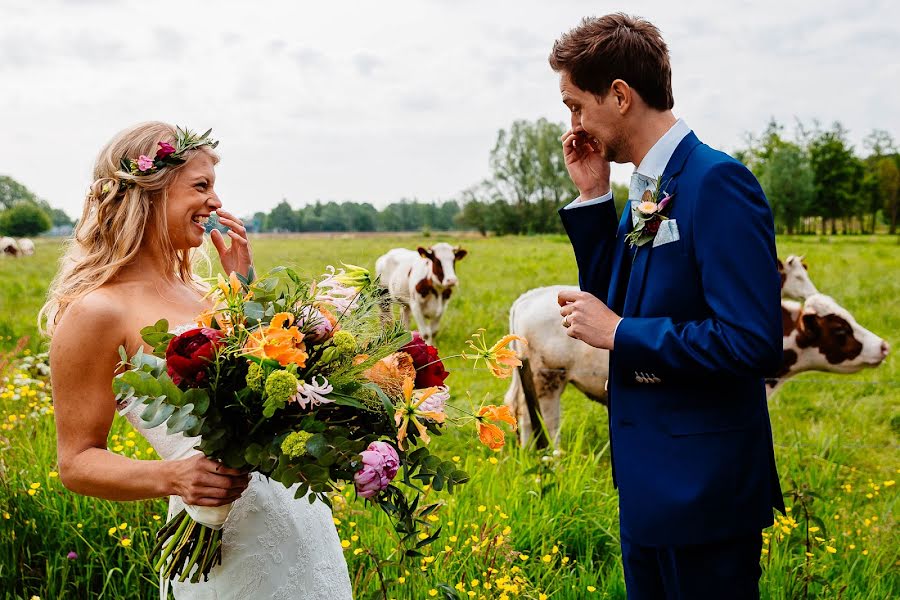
273	546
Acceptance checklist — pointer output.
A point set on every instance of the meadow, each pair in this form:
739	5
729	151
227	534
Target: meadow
529	524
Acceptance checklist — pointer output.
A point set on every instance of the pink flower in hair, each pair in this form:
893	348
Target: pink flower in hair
165	149
144	163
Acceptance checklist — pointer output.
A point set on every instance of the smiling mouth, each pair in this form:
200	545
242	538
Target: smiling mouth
199	220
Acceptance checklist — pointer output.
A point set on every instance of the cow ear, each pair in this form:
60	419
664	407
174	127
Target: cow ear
460	253
809	327
423	252
780	265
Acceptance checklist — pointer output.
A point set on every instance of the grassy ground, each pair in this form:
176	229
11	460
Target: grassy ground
526	525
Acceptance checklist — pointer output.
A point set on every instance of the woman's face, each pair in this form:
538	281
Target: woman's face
190	200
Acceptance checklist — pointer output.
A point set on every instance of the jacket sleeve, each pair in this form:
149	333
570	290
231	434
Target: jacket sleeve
734	247
592	231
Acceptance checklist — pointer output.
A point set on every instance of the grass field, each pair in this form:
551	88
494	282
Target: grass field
526	525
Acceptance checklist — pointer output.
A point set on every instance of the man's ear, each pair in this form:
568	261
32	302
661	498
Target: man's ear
622	94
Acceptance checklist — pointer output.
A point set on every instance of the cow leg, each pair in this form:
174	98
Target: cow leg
404	316
548	386
421	322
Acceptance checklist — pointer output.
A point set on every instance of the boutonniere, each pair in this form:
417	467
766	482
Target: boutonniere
649	213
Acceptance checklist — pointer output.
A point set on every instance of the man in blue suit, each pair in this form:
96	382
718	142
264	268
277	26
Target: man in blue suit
684	292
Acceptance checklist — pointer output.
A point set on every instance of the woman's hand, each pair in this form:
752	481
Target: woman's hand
587	167
237	257
204	482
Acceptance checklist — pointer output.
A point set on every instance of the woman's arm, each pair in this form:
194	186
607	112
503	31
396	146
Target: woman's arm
83	359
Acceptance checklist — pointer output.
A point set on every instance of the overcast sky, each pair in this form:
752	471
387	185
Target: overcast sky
377	101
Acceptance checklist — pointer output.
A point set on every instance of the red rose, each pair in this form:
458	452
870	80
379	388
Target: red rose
188	355
652	226
165	149
430	370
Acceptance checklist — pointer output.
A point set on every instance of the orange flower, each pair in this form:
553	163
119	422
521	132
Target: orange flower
500	360
409	412
390	372
489	434
278	343
222	318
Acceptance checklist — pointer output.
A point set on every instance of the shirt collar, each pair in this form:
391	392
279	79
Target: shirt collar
658	156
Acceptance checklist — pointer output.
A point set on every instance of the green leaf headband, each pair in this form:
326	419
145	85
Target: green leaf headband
168	155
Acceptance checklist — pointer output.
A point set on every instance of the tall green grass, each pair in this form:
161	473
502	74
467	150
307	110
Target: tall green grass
539	523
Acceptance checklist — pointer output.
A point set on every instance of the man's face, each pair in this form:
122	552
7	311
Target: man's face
594	118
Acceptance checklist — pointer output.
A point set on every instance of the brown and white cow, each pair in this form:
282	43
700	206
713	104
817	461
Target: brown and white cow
819	335
795	281
26	246
9	247
421	282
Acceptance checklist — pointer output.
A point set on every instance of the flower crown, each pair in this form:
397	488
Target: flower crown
168	155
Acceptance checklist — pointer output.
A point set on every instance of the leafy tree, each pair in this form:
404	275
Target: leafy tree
283	218
529	173
58	217
24	219
12	192
788	183
888	188
837	174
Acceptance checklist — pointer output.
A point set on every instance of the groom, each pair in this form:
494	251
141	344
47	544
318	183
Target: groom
684	292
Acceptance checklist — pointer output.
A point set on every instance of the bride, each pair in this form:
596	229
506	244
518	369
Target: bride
128	266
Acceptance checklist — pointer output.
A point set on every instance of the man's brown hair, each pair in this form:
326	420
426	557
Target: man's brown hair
617	46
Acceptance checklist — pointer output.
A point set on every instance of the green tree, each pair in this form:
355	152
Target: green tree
788	183
283	218
529	173
837	175
889	188
12	192
24	219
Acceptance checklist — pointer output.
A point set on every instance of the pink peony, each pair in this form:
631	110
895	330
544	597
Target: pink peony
380	463
165	149
145	163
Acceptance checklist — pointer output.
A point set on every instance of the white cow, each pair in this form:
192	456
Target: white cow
26	247
9	247
819	335
795	281
421	282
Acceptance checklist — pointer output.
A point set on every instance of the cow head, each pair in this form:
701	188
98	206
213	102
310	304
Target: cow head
9	247
443	259
828	338
795	281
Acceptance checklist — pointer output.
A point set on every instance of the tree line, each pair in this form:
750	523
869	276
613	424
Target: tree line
815	180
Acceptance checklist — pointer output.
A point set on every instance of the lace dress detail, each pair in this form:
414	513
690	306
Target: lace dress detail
273	546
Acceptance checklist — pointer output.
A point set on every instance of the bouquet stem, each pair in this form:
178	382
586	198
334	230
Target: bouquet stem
183	544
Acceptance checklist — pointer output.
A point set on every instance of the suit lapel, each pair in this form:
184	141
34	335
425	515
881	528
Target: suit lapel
635	289
620	265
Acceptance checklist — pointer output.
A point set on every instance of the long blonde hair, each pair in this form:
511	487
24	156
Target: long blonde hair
117	212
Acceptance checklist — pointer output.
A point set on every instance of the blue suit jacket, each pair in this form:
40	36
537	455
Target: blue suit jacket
690	435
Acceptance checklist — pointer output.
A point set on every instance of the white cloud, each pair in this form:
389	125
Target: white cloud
379	101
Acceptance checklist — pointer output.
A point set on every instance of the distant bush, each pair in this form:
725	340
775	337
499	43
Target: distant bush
24	219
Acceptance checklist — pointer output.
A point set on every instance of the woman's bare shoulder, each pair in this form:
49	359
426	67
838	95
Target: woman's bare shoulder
98	317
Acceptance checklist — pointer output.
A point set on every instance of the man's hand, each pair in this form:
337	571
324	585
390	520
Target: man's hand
587	167
588	319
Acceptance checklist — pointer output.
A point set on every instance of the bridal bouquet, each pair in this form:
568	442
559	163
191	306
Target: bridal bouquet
306	382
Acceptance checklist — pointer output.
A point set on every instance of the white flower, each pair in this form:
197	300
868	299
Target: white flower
312	393
331	291
436	402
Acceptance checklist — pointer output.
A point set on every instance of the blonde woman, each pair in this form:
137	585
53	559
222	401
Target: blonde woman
129	265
